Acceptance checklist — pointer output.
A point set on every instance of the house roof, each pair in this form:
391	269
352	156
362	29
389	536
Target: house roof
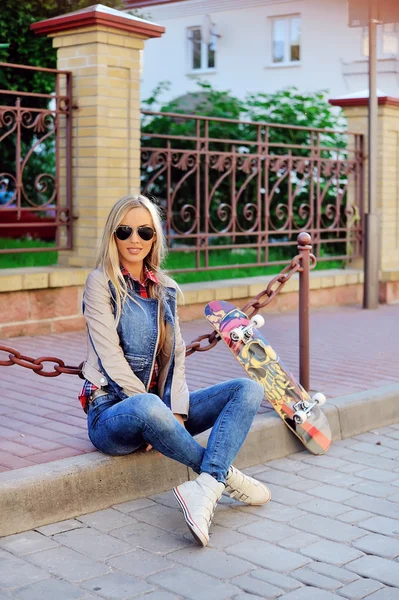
130	4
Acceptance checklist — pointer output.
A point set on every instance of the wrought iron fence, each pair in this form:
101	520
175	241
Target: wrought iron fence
35	159
243	191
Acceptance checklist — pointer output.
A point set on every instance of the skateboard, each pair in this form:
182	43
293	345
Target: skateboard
290	400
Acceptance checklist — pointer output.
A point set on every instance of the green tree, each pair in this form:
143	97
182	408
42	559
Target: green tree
27	48
291	114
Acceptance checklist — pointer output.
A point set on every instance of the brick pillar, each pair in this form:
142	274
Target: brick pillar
102	47
356	112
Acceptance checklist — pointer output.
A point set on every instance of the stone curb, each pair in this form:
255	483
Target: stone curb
63	489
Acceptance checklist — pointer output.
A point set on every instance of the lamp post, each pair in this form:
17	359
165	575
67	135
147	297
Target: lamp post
372	218
370	13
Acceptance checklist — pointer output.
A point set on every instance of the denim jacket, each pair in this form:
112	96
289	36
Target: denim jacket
121	356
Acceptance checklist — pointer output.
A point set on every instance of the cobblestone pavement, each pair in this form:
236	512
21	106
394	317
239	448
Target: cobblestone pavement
41	419
330	531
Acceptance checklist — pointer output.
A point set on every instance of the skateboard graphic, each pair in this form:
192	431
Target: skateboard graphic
290	400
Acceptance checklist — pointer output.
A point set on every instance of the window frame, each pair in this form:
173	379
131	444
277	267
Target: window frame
287	61
380	41
205	54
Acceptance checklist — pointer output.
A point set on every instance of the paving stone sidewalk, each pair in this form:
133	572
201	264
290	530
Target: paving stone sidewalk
41	419
330	532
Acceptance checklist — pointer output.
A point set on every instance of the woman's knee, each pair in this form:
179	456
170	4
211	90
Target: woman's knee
145	405
252	391
152	410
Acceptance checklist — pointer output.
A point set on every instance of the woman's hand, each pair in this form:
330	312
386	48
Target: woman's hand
178	418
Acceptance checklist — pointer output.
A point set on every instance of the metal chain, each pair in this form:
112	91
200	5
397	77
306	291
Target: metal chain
270	292
36	364
195	346
273	288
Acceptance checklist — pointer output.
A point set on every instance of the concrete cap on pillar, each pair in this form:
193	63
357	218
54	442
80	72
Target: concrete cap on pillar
361	98
98	15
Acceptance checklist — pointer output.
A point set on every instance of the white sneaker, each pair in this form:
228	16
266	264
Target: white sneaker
198	500
246	489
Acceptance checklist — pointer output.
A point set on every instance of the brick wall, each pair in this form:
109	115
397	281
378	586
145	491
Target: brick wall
56	306
34	312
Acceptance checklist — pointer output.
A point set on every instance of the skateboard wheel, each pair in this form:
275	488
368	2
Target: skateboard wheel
300	417
237	335
258	321
319	398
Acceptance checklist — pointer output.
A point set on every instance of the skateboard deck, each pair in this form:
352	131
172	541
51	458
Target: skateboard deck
285	394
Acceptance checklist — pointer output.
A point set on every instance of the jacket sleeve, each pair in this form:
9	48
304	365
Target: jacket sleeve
180	397
101	326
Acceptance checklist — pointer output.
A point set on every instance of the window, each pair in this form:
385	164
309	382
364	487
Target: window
286	40
202	55
387	40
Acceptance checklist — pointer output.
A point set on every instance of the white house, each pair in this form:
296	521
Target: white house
263	46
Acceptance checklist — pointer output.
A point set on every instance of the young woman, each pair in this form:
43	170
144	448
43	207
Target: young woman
135	391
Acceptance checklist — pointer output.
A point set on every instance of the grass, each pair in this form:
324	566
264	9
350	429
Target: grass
181	260
230	258
27	259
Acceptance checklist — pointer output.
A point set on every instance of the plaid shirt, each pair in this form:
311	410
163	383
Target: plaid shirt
149	275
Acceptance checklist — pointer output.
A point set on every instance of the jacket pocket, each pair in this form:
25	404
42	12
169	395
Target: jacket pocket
137	363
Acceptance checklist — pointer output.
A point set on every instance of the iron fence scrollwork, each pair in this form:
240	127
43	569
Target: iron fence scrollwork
252	191
35	158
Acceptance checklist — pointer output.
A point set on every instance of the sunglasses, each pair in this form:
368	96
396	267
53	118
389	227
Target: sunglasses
123	232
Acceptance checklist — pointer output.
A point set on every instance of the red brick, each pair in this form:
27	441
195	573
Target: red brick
30	419
383	292
61	417
7	433
71	324
36	443
14	306
42	432
14	448
289	301
46	457
323	297
13	462
20	426
349	294
78	444
51	303
191	312
36	410
64	428
22	329
392	292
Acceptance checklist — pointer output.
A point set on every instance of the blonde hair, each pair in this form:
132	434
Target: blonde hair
108	256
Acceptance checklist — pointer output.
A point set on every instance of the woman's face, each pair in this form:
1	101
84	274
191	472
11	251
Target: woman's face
133	251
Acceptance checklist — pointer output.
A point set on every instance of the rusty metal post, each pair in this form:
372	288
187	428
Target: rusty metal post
372	218
304	247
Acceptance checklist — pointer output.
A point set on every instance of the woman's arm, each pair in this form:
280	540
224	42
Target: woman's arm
100	321
179	393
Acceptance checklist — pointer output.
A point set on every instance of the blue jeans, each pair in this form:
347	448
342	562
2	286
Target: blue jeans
121	427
